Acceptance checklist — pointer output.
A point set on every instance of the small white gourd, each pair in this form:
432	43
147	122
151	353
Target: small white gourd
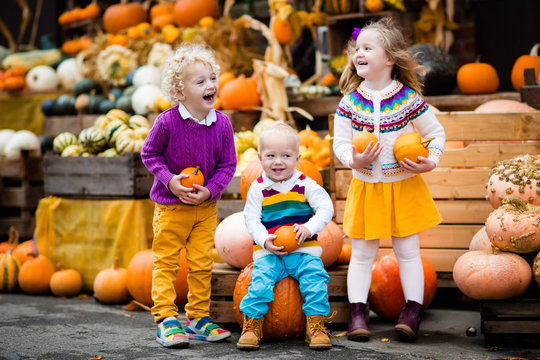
41	78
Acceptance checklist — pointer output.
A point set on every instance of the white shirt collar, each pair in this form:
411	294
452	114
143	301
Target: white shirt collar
282	186
208	120
377	92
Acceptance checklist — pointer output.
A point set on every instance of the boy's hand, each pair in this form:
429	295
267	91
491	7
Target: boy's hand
176	186
197	196
361	160
302	233
269	245
423	165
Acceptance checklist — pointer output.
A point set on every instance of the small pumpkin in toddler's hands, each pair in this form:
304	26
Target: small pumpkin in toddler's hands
362	140
286	237
195	176
411	146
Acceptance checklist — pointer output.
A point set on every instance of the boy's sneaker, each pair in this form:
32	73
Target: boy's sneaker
205	329
170	333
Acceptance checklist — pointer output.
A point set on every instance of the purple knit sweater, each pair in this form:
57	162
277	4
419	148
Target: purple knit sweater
174	144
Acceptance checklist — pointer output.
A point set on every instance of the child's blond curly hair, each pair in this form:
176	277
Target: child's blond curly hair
172	77
393	42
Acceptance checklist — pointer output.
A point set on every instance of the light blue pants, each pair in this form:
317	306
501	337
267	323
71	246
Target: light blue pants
307	269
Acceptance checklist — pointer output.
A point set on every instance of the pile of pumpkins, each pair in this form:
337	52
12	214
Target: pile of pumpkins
504	255
23	267
113	134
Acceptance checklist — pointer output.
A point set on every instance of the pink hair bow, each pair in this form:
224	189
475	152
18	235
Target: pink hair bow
355	33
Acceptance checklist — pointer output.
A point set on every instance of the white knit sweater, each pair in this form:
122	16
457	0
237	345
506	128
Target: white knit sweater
388	113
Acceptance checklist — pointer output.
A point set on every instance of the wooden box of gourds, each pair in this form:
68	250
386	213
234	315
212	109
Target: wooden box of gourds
97	176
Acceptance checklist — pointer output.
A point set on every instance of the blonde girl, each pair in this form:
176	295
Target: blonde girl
386	198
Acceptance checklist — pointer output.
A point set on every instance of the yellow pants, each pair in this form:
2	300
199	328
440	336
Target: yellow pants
180	226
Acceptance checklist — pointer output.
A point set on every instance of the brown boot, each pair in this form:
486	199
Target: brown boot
251	334
409	320
316	334
358	322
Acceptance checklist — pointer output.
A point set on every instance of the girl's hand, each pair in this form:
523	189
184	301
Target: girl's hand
302	233
423	165
176	187
197	196
361	160
269	245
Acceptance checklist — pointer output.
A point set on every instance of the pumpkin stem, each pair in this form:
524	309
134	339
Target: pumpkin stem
425	142
116	263
534	49
196	171
516	202
13	236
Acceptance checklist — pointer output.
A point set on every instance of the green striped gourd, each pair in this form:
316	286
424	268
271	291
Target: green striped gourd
112	131
117	114
92	140
111	152
129	141
340	6
63	140
9	271
101	122
72	150
137	121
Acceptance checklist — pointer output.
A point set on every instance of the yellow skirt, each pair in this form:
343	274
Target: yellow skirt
382	210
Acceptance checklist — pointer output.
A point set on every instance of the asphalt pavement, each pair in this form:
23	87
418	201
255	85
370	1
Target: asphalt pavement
47	327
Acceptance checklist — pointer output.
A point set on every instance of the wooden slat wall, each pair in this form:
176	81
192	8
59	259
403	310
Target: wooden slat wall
458	184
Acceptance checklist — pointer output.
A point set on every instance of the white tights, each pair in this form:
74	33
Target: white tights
411	272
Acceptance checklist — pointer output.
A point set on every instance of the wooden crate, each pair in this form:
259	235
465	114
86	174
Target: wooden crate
512	322
458	184
224	279
97	177
21	187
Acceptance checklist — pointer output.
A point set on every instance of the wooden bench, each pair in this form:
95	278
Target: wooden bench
458	184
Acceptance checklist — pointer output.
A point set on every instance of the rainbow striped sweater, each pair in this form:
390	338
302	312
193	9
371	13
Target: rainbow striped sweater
271	205
388	114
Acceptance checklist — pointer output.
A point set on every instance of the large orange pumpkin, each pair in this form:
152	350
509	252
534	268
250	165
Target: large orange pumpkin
240	93
386	297
254	169
345	254
121	16
22	251
189	12
532	60
477	78
139	278
485	275
232	241
110	285
35	275
285	318
331	240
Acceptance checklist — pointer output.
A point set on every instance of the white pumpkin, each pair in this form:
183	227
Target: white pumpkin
146	75
67	74
41	78
22	139
5	136
144	99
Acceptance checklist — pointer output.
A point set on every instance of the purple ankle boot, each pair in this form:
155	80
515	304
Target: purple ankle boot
358	322
409	320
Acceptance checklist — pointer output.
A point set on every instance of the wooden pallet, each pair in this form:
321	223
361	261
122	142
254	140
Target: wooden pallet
224	279
21	187
97	176
512	322
458	184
